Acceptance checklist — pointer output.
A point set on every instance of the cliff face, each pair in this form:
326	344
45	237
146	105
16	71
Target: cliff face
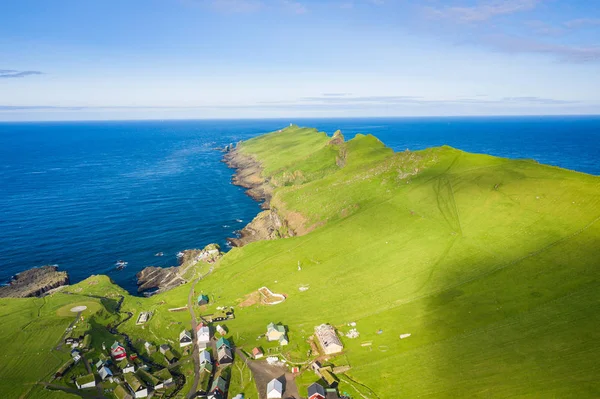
268	224
35	282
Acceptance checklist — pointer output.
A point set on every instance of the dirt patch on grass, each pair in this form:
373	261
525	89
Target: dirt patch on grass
250	299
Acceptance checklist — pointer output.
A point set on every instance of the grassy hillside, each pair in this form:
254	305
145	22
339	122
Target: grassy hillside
492	266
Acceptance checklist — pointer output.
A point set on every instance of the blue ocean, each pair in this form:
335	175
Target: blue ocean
86	194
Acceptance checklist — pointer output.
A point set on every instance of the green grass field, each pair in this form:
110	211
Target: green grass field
492	266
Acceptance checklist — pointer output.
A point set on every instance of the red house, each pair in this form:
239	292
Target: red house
117	351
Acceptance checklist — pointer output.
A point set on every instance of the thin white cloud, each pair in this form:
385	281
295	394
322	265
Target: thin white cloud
295	6
237	6
482	11
582	22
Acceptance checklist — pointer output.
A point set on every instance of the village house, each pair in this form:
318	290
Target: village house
86	381
164	378
76	355
121	393
117	351
104	372
64	368
205	357
202	335
257	353
135	386
218	389
328	339
126	366
202	300
164	348
223	342
274	389
329	377
224	355
275	332
316	391
206	370
150	349
185	338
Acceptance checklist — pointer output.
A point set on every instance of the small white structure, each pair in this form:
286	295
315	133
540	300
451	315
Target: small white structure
328	339
104	373
221	330
205	358
87	381
274	389
185	338
128	368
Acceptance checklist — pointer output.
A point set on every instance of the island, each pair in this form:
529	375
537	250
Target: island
369	273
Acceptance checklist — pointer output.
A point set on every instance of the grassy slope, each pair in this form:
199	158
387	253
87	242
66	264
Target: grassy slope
490	264
31	329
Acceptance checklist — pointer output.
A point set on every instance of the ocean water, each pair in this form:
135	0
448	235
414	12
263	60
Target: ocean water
86	194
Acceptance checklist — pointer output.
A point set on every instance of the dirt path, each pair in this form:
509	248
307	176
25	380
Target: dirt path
264	372
195	354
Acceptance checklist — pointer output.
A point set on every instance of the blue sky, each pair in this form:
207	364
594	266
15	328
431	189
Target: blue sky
165	59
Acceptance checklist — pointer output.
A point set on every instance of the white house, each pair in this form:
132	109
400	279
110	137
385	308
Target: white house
328	339
104	372
185	338
274	389
86	381
205	357
275	331
203	336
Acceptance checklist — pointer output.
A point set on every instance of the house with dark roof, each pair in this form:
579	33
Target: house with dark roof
224	355
218	388
164	348
316	391
202	299
185	338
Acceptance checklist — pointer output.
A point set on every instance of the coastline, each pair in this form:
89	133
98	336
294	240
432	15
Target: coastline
268	224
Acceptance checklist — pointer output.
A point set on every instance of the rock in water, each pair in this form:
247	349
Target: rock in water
35	282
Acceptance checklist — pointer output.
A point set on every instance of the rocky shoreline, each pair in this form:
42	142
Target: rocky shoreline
268	224
35	282
153	279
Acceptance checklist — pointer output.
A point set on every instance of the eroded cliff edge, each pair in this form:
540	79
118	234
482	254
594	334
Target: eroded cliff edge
268	224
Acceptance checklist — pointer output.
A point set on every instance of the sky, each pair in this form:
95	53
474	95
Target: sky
186	59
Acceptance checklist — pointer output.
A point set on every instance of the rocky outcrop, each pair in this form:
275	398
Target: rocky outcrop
154	279
35	282
267	225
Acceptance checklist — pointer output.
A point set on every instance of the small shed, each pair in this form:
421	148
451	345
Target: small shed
221	330
257	353
202	299
164	348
